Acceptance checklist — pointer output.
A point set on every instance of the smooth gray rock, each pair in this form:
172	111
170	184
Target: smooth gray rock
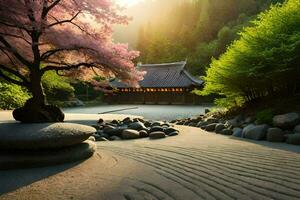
211	120
258	132
293	139
43	135
31	159
237	132
211	127
286	121
226	132
137	126
128	134
156	128
157	135
236	122
219	128
275	135
246	129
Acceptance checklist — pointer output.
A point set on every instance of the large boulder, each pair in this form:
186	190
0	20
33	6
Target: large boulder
293	139
286	121
236	122
237	132
258	132
28	159
42	136
246	129
275	135
129	134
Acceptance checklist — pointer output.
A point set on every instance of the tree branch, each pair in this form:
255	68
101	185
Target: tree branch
16	73
16	36
46	10
66	21
14	52
67	67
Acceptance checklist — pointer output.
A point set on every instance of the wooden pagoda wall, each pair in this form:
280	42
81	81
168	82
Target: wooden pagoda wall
155	96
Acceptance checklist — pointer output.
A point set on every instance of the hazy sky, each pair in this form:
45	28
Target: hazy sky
128	2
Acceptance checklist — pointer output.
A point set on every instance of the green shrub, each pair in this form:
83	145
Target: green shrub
264	61
12	96
265	116
57	88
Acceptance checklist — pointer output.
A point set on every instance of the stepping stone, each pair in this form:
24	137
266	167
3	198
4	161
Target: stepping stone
31	159
17	136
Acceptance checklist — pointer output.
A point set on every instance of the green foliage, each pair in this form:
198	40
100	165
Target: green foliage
12	96
57	88
198	30
264	116
264	61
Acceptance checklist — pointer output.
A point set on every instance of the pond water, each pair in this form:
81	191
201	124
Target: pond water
153	112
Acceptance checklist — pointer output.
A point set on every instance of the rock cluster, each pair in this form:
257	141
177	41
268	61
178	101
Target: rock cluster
43	144
285	128
128	129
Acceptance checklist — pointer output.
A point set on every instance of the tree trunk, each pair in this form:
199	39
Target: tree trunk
38	97
35	109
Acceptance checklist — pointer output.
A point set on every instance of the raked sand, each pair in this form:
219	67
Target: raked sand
193	165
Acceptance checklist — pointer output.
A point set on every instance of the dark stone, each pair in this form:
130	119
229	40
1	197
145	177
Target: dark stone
100	121
206	111
137	126
226	132
219	128
211	127
246	129
157	135
297	129
156	124
41	114
211	120
170	130
237	132
156	128
275	135
258	132
293	139
286	121
143	134
147	123
108	129
175	133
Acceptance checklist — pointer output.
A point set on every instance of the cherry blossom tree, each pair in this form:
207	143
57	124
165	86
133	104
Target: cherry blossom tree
72	37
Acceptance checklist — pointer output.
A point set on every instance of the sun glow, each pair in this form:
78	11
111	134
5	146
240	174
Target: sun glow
128	2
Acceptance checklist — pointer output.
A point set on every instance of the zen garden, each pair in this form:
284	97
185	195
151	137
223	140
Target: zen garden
149	99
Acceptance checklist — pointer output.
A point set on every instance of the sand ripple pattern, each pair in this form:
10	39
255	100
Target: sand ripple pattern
216	172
